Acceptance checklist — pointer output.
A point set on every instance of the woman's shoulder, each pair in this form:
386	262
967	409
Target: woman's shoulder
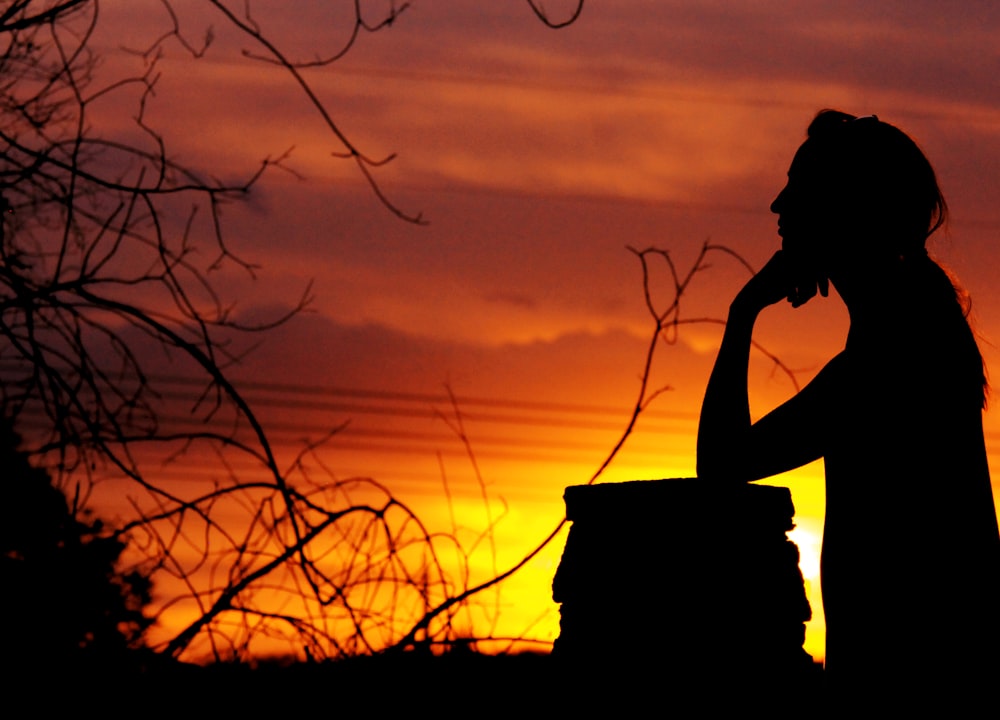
944	372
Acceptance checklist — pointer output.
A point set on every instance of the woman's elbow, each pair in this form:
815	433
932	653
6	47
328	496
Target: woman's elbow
730	464
718	468
717	461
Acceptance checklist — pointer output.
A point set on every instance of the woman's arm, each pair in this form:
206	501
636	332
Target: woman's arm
724	426
730	448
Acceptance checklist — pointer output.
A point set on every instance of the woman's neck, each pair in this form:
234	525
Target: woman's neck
870	291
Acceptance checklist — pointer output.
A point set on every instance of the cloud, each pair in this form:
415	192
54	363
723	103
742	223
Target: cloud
513	299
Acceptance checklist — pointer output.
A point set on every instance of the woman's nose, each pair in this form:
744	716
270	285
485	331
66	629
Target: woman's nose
778	202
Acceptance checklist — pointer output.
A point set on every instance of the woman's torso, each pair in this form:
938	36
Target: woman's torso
911	549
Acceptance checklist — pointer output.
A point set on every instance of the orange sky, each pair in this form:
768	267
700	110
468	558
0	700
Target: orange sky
538	156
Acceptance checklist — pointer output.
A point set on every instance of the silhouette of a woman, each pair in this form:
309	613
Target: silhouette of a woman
911	550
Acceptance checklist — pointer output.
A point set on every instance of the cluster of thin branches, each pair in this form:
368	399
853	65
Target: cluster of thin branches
343	572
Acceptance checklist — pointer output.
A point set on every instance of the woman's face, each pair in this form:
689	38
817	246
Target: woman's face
809	214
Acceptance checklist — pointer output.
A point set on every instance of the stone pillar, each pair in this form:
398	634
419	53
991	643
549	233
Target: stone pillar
683	580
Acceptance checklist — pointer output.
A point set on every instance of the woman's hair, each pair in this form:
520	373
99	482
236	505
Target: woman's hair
877	171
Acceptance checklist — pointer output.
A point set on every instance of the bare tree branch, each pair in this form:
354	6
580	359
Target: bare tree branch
16	15
539	9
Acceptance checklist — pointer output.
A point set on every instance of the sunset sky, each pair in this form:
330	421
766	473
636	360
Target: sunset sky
538	157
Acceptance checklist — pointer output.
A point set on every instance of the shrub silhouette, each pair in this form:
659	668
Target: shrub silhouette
64	603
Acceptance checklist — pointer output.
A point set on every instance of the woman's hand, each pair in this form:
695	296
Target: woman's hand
731	448
781	279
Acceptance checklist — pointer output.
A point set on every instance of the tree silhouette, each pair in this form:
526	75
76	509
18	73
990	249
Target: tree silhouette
64	599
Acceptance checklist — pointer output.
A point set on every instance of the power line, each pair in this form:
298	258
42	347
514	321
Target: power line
462	401
381	423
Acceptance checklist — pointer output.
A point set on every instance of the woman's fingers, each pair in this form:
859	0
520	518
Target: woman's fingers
782	279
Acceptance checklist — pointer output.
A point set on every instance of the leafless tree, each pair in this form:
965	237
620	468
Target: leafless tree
107	249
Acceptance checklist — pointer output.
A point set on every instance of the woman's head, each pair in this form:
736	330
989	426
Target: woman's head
860	186
861	197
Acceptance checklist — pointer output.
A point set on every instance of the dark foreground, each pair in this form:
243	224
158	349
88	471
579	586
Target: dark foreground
450	685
